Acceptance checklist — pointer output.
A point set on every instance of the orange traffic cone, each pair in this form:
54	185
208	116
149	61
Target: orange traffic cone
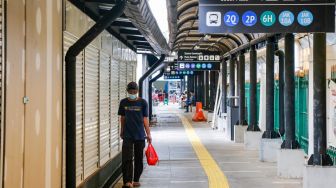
199	116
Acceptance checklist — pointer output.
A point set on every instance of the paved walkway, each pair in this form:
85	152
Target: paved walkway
180	165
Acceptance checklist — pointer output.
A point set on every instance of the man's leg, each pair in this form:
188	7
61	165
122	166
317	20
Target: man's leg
138	159
127	161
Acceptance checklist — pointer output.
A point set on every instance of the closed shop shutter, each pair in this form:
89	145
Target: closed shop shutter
1	89
115	140
91	134
104	114
122	80
69	40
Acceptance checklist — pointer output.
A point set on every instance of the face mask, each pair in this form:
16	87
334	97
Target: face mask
133	97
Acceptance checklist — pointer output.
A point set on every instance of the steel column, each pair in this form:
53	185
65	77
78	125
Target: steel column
253	91
289	94
281	56
320	156
270	49
224	88
232	81
241	80
207	90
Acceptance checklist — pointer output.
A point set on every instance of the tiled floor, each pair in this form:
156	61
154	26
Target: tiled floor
179	166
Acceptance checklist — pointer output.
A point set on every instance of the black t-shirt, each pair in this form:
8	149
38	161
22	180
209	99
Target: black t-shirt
134	112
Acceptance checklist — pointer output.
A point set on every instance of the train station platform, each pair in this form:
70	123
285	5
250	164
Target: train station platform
193	155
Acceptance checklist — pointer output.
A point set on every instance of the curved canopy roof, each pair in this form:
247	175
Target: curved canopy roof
184	35
136	28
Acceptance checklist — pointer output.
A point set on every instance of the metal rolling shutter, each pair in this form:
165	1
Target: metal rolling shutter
122	80
105	109
129	72
91	133
1	91
69	40
114	108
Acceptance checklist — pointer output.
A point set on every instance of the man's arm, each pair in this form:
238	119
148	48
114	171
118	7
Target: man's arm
122	125
147	129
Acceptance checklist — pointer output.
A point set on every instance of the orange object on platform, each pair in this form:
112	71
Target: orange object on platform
199	116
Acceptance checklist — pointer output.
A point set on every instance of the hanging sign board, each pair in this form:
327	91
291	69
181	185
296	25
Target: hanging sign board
198	61
260	16
172	77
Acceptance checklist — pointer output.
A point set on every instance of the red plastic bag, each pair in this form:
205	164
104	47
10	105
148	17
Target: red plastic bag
151	155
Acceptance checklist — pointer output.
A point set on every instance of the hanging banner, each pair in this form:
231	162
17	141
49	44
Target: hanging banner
260	16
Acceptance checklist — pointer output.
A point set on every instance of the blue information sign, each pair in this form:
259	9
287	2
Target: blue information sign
305	18
231	18
249	18
286	18
263	16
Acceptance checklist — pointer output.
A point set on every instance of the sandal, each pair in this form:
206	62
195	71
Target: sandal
136	184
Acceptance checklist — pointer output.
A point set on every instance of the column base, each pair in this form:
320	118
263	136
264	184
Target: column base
252	140
270	135
239	133
290	144
290	163
319	176
322	160
253	128
268	149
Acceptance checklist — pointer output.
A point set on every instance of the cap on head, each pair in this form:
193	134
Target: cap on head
132	86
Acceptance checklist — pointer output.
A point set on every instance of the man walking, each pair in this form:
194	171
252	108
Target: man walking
133	112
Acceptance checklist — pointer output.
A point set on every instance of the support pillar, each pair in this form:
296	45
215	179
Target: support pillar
319	172
253	134
232	81
281	56
270	50
271	141
224	88
241	80
290	141
290	157
207	90
213	89
253	91
320	156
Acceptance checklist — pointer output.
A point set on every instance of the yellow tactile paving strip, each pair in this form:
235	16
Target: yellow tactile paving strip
216	177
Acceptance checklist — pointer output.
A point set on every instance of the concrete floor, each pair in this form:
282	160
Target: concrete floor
179	166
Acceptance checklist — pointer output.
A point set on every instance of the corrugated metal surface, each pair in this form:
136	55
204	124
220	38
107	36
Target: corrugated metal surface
114	108
1	90
91	133
69	40
105	109
122	80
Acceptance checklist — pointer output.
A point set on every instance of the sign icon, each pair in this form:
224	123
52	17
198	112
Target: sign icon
213	19
182	66
193	65
187	66
206	58
286	18
209	66
268	18
231	18
212	57
217	58
200	58
204	66
305	18
249	18
198	66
